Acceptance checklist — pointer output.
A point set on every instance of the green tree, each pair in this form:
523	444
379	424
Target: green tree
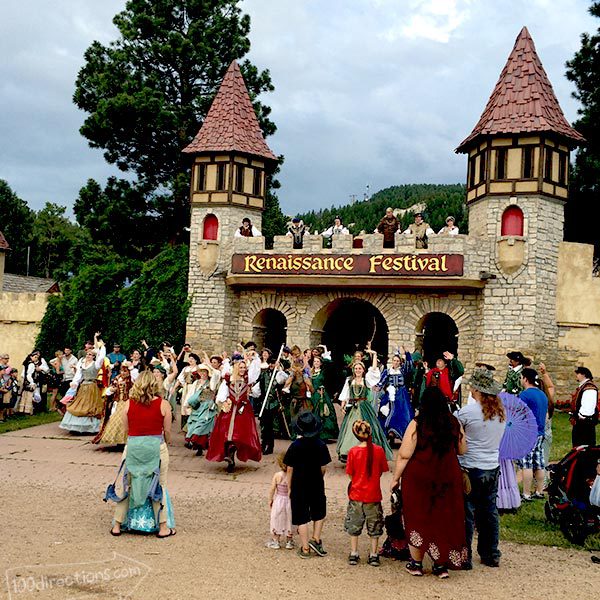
53	236
147	93
583	209
17	223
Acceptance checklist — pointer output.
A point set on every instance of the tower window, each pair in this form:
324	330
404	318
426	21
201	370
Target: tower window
482	166
501	157
257	183
239	178
528	172
210	228
201	177
221	170
472	172
563	167
512	221
549	153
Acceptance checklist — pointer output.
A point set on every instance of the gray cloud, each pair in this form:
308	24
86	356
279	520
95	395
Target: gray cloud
368	91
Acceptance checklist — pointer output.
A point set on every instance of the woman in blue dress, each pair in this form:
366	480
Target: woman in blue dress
395	409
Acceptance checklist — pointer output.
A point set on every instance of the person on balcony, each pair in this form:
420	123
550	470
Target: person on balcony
421	230
388	226
247	229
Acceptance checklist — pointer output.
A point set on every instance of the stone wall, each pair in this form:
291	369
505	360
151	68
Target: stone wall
20	318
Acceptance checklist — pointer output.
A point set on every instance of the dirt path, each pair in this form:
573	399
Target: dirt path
51	488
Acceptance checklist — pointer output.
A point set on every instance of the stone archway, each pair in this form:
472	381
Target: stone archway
269	329
436	333
346	324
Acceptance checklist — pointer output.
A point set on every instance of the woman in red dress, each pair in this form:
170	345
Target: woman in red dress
432	488
235	425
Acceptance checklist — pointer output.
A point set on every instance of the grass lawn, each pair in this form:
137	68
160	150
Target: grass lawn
529	525
23	421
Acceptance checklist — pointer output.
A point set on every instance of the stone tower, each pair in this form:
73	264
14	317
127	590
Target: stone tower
517	185
230	162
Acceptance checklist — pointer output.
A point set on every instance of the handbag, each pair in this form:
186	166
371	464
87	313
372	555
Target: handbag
466	481
111	490
595	492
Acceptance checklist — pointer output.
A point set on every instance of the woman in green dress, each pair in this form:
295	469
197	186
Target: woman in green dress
358	401
322	405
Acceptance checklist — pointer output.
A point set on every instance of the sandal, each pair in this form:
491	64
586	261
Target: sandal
171	532
440	571
374	560
353	559
415	568
114	533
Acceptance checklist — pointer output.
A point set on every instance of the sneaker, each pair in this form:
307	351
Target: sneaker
374	560
440	571
537	496
491	562
525	498
353	559
273	544
302	553
317	547
415	568
289	545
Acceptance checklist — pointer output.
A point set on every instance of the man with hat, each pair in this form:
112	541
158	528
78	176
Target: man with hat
297	229
306	461
247	229
421	230
450	228
584	409
484	432
512	383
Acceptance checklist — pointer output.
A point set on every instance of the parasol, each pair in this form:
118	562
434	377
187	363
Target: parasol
521	430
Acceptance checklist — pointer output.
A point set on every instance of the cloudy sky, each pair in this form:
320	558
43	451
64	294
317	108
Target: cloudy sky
376	92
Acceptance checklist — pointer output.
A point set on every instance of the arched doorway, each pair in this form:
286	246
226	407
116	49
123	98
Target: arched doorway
436	333
269	329
346	325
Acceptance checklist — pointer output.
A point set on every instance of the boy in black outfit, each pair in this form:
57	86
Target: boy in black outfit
306	459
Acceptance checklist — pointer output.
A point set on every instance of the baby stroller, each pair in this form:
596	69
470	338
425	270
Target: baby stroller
568	502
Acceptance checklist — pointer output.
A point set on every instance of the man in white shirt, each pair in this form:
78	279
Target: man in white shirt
69	368
584	407
247	229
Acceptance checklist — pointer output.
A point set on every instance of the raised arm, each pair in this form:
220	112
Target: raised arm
100	355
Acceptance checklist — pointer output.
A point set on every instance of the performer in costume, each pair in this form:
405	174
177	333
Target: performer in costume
512	383
187	382
357	400
421	230
395	409
336	229
247	229
388	226
113	432
584	409
446	371
273	409
300	389
84	411
322	405
235	427
204	410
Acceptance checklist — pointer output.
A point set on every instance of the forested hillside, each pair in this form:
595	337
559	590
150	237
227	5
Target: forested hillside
441	200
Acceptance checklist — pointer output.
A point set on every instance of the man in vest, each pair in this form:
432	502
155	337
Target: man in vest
388	226
512	383
584	409
421	230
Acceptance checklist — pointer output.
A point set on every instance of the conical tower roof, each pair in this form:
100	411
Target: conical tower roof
231	124
523	100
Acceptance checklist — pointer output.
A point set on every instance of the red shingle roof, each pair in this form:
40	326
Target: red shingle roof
3	243
231	123
523	100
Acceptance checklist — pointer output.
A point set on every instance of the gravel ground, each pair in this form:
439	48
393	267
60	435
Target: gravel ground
59	546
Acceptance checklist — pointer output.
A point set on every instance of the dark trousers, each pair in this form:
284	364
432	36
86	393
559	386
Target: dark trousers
481	512
267	435
584	432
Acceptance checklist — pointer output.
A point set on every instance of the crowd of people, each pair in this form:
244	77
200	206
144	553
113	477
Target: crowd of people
389	226
447	480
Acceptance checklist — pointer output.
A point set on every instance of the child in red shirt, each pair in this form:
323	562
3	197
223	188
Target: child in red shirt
365	465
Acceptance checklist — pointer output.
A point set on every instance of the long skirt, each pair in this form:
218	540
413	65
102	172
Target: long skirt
361	411
237	429
88	401
114	431
508	489
200	424
433	506
25	403
323	407
400	413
